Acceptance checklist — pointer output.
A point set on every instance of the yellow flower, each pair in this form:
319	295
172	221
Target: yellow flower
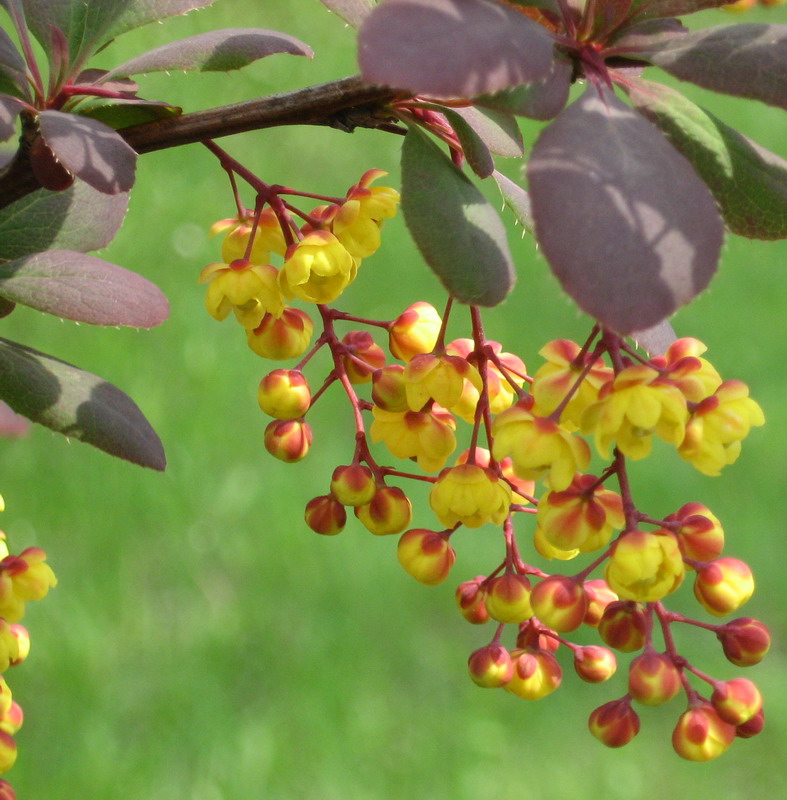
375	202
426	436
637	404
281	338
694	376
439	378
414	331
22	578
318	269
555	379
645	566
470	495
717	426
268	237
359	233
538	446
249	290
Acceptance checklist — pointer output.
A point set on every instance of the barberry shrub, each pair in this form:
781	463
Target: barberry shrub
627	192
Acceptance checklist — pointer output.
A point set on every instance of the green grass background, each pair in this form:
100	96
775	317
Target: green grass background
203	644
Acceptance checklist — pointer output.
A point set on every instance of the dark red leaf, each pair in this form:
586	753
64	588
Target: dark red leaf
77	404
742	60
83	288
626	224
12	68
452	48
351	11
90	150
9	111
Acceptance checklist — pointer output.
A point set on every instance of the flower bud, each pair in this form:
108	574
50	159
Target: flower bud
701	734
353	485
13	719
471	599
325	515
415	331
736	701
623	626
491	667
9	646
7	751
723	586
440	378
282	338
594	664
23	641
508	598
645	565
284	394
751	728
388	512
615	723
536	674
745	641
559	602
599	596
368	356
470	495
700	533
288	439
388	388
7	791
653	678
426	555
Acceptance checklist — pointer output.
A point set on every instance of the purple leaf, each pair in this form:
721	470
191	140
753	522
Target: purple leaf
542	100
77	404
79	218
9	111
458	233
497	130
216	51
452	48
515	198
655	341
352	12
742	60
83	288
628	228
650	33
12	68
476	152
748	181
650	9
90	150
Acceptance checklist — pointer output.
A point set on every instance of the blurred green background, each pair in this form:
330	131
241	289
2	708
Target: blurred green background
203	644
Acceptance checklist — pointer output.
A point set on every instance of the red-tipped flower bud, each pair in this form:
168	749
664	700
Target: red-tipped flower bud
353	485
326	515
736	701
653	679
623	625
559	602
599	596
288	440
471	599
615	723
745	641
700	533
724	585
751	728
415	331
701	734
536	674
508	598
388	512
284	394
426	555
283	337
594	664
364	356
388	388
491	667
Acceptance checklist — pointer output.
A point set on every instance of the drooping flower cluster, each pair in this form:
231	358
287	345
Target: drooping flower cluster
521	431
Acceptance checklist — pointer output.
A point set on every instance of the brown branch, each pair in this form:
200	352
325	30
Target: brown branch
345	104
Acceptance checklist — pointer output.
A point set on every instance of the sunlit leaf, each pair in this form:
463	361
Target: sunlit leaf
742	60
80	218
77	404
748	181
516	199
351	11
90	150
452	48
459	234
542	100
215	51
83	288
627	226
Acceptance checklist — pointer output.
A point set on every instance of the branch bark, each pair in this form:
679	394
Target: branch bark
345	104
